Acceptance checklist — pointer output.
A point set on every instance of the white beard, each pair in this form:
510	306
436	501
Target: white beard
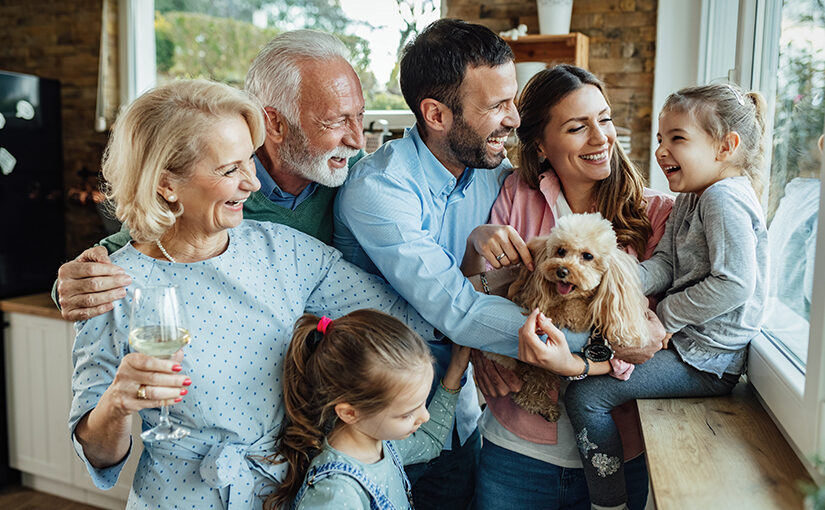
297	156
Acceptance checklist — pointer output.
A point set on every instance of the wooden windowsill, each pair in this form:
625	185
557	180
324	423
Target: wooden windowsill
718	452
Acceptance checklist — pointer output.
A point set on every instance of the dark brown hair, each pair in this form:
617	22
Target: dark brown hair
360	360
620	197
721	108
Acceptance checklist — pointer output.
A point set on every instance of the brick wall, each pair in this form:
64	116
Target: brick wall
622	50
61	40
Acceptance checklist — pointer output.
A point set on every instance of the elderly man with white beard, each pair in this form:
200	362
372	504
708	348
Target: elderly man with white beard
314	130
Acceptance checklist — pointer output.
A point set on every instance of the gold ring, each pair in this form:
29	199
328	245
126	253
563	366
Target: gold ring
498	259
141	394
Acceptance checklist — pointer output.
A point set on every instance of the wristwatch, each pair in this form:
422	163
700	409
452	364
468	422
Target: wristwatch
598	349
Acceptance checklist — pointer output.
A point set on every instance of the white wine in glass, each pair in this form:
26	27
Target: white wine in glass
157	328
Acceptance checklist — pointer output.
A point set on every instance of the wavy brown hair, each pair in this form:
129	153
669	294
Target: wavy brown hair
619	197
362	359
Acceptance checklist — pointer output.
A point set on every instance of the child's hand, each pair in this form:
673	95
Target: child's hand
666	340
457	367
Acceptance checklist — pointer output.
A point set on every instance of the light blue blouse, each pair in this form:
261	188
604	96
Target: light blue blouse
242	306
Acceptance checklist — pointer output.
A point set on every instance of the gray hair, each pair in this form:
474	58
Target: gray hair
275	76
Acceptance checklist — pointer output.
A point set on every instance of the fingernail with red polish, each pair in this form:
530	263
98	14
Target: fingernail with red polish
183	391
178	399
187	381
177	368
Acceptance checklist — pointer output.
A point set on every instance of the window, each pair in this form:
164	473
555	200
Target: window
219	39
780	51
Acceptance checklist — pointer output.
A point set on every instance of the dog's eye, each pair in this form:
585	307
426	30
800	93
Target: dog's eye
587	256
561	252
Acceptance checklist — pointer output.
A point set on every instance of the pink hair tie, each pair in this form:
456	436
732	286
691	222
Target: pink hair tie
323	324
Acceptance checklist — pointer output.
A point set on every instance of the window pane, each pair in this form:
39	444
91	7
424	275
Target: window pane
793	199
218	39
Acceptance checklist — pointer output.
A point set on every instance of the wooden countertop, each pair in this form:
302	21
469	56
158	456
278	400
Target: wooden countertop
36	304
718	452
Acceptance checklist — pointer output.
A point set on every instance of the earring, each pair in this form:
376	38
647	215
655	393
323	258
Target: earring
542	159
172	198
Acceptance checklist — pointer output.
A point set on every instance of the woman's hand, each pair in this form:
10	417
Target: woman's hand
500	245
457	367
553	355
105	431
161	378
493	379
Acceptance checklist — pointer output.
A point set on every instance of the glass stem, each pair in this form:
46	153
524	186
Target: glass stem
164	417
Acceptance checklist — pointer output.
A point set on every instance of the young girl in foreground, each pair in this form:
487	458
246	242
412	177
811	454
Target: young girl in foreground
709	265
355	391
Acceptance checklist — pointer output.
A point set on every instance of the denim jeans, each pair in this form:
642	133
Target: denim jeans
507	479
589	401
448	481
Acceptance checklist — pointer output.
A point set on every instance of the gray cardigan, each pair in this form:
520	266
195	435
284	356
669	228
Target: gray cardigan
712	266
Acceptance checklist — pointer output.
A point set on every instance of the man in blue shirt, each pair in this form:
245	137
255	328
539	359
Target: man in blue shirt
406	211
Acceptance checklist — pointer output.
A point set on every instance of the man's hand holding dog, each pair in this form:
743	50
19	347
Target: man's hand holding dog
493	379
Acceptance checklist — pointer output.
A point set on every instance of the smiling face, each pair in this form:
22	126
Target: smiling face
405	414
476	138
219	182
331	124
579	138
687	154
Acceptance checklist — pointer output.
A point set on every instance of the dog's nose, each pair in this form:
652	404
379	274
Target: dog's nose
562	272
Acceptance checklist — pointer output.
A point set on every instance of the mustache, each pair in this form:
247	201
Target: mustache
499	133
342	152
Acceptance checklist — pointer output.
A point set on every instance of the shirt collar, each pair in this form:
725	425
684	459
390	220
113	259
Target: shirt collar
270	188
439	179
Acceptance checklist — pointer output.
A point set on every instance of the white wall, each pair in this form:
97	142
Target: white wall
678	28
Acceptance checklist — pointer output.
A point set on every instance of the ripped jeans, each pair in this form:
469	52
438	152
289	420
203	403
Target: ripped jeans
590	400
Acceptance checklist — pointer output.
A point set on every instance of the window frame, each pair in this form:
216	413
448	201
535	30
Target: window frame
794	400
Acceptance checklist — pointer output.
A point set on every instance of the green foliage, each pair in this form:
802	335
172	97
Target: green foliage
385	101
800	101
241	10
204	46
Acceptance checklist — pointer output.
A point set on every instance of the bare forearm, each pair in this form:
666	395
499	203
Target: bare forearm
105	440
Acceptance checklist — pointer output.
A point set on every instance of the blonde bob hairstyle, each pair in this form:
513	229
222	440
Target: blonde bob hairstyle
163	133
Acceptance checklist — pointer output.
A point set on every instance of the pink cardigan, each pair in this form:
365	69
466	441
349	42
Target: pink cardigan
531	213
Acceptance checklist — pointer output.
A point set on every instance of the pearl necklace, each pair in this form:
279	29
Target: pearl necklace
165	253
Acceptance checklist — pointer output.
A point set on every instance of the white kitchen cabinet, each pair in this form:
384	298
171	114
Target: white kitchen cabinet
38	347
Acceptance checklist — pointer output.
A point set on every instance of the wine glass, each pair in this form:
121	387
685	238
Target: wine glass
157	328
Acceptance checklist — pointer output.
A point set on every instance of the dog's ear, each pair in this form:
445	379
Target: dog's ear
528	285
619	306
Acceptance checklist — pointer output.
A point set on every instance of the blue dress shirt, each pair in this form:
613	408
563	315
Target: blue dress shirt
403	215
272	191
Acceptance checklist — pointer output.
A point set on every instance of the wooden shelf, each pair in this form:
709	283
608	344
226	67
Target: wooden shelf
553	49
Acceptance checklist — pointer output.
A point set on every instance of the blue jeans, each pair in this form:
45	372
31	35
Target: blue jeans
448	481
589	402
507	479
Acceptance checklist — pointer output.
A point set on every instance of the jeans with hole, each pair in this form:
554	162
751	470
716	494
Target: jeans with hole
448	481
589	402
507	480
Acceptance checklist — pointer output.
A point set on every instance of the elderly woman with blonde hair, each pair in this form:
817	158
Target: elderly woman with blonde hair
179	167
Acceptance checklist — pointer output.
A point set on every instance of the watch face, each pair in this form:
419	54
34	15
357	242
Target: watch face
598	352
